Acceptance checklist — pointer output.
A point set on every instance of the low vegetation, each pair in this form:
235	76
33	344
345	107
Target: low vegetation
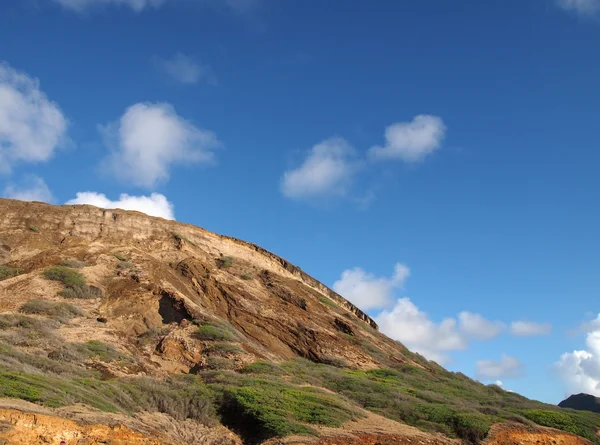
9	272
59	311
75	286
179	237
210	331
34	229
246	276
225	262
72	263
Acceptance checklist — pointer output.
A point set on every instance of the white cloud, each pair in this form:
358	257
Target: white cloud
499	383
186	70
153	205
31	126
327	170
580	369
411	141
368	291
412	327
136	5
583	7
32	188
507	367
477	327
529	329
150	138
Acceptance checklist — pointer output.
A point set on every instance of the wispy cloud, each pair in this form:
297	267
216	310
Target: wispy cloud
582	7
328	169
153	205
85	5
479	328
506	367
529	328
411	141
31	126
31	188
186	70
150	139
239	7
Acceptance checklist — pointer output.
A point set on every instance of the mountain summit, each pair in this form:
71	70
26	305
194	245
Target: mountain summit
116	327
582	401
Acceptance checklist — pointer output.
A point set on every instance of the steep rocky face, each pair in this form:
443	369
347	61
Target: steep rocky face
585	402
122	328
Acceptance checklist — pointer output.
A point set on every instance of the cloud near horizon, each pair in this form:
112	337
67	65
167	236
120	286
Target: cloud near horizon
32	127
580	370
368	291
151	138
153	205
31	188
402	320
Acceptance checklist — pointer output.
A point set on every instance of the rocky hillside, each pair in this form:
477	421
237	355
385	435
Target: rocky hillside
120	328
583	402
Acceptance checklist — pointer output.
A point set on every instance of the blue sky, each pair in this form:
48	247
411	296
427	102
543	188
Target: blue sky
436	162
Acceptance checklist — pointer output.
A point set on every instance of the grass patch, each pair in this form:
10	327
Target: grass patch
225	262
265	368
66	276
119	257
246	276
35	229
179	237
263	408
125	265
104	352
59	311
74	282
224	347
327	302
72	263
209	331
580	423
9	272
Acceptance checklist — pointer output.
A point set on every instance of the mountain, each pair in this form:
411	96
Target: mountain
583	402
120	328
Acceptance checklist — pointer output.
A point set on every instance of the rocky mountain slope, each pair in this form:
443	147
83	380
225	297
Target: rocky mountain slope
585	402
116	327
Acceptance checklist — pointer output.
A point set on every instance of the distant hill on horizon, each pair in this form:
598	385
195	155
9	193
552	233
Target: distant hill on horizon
582	402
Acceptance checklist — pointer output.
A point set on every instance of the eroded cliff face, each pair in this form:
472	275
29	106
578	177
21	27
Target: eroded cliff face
159	300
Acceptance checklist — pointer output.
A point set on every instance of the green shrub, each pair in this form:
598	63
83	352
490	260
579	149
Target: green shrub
262	368
104	352
224	262
119	257
224	347
268	409
327	302
35	229
246	276
579	423
72	263
125	265
59	311
66	276
9	272
211	332
81	293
